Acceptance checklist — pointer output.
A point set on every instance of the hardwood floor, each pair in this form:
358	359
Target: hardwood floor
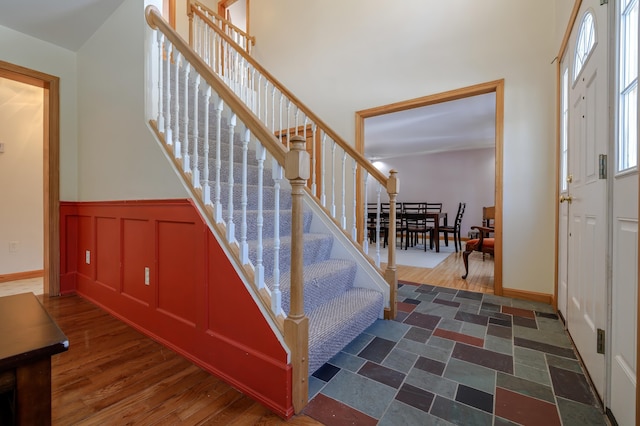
112	374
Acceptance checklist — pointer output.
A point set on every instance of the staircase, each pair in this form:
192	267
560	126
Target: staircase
234	167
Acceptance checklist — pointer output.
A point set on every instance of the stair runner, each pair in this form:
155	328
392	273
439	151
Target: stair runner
338	311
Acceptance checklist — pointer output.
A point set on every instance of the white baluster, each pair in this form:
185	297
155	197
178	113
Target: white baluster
260	156
354	230
365	222
244	247
177	141
377	257
276	294
185	118
195	173
333	178
314	160
206	189
323	175
168	135
343	210
231	228
160	82
217	204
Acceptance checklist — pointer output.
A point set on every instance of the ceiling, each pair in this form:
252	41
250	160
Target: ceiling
67	23
467	123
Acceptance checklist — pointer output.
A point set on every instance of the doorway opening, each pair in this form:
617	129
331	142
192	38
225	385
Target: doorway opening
51	168
493	87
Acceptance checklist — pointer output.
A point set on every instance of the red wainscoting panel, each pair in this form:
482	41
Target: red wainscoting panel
193	301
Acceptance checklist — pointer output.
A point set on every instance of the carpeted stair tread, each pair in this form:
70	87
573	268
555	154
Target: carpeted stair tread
335	324
322	282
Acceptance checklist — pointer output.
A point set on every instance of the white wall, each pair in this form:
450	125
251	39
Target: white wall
21	169
448	178
341	57
118	158
29	52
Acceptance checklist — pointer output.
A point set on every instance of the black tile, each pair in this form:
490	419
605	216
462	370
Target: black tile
445	290
401	316
430	365
525	322
425	288
499	331
422	320
382	374
326	372
447	302
412	301
458	413
483	357
415	397
571	385
377	349
499	321
472	318
469	295
547	315
544	347
475	398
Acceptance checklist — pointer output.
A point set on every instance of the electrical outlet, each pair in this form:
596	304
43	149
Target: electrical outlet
87	257
146	276
13	246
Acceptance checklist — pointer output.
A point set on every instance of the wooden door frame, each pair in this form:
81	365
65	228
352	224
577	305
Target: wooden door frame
496	87
51	167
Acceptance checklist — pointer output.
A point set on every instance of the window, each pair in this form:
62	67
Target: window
627	148
564	137
584	46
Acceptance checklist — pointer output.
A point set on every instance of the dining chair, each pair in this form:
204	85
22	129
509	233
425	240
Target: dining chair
433	208
415	224
372	222
454	228
481	244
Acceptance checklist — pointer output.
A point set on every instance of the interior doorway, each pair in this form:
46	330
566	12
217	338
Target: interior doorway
496	87
51	168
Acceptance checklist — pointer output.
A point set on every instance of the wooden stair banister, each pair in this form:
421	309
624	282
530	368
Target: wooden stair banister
196	6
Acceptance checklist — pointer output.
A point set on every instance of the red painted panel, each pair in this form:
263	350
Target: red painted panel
85	242
177	248
137	254
206	313
106	259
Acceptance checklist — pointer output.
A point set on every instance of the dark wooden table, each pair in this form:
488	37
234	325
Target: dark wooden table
29	338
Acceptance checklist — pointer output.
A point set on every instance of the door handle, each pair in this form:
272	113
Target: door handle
567	198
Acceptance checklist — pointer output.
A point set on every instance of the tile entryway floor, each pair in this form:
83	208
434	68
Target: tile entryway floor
457	357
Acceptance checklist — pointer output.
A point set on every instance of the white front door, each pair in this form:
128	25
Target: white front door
624	287
587	242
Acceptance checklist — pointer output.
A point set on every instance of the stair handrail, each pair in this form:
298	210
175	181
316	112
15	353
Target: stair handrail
223	23
390	184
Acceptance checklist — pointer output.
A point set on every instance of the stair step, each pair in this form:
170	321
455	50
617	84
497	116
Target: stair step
317	247
253	171
322	282
335	324
268	227
268	196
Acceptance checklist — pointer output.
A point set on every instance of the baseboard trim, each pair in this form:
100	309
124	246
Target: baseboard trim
528	295
21	276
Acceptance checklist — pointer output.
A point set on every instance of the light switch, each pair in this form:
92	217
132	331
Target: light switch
146	275
87	257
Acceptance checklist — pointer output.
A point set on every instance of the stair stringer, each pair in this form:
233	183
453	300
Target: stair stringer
367	275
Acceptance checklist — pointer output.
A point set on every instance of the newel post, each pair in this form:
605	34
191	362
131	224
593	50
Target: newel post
391	273
296	325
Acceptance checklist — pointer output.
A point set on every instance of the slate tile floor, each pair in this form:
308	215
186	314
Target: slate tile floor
456	357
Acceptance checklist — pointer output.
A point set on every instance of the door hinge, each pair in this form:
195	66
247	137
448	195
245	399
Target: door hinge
604	2
600	344
602	166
